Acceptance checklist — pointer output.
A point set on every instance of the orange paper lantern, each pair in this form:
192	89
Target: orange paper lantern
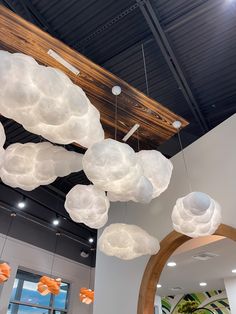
48	285
5	272
86	295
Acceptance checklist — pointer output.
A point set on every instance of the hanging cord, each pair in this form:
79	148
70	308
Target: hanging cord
116	112
184	160
138	140
13	215
145	70
90	279
54	255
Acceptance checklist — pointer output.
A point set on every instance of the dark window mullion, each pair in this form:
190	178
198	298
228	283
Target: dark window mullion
19	289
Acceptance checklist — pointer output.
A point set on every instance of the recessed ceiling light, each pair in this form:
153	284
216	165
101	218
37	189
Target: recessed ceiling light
91	240
234	271
21	205
159	285
55	222
203	284
171	264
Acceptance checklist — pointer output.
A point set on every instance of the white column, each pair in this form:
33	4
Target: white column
230	287
158	306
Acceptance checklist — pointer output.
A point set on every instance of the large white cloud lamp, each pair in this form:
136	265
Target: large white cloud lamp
196	215
87	204
46	102
27	166
127	242
115	167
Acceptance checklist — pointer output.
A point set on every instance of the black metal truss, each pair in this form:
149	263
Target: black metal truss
170	57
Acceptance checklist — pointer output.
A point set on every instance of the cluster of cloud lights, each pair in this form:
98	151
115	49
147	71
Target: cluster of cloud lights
27	166
48	285
196	215
86	295
127	176
46	102
127	241
87	204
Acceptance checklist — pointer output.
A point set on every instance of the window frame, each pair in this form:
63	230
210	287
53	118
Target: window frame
51	308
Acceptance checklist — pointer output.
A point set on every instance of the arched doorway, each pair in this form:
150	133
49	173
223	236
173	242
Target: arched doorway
157	262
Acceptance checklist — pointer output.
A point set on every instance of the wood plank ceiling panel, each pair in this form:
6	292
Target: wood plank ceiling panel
18	35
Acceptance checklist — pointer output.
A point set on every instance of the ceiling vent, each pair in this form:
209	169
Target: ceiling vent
176	289
204	256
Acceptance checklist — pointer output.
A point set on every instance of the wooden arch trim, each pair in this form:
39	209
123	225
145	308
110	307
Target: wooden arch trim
157	262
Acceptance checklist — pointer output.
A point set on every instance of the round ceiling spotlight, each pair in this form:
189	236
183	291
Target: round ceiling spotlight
21	204
234	271
56	222
116	90
91	240
159	286
171	264
203	284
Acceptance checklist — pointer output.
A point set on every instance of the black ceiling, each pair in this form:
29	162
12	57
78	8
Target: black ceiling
189	48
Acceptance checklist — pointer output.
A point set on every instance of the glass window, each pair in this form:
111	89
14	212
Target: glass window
60	300
26	300
25	309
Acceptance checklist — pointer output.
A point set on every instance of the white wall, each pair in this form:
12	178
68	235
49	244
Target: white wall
230	286
212	168
24	255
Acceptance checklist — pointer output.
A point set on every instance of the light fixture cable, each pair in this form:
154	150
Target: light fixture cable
184	159
55	250
116	113
145	69
13	215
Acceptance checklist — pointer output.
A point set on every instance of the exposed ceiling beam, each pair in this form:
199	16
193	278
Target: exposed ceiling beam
33	15
104	27
155	120
169	55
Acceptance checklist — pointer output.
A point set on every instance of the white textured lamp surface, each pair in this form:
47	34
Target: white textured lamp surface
87	204
115	167
196	215
141	192
27	166
112	166
157	169
127	242
2	142
46	102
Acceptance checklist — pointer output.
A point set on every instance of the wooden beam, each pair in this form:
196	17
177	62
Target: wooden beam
18	35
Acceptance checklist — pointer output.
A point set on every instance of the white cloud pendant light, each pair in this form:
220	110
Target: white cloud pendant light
196	215
87	204
157	169
127	241
46	102
27	166
115	167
